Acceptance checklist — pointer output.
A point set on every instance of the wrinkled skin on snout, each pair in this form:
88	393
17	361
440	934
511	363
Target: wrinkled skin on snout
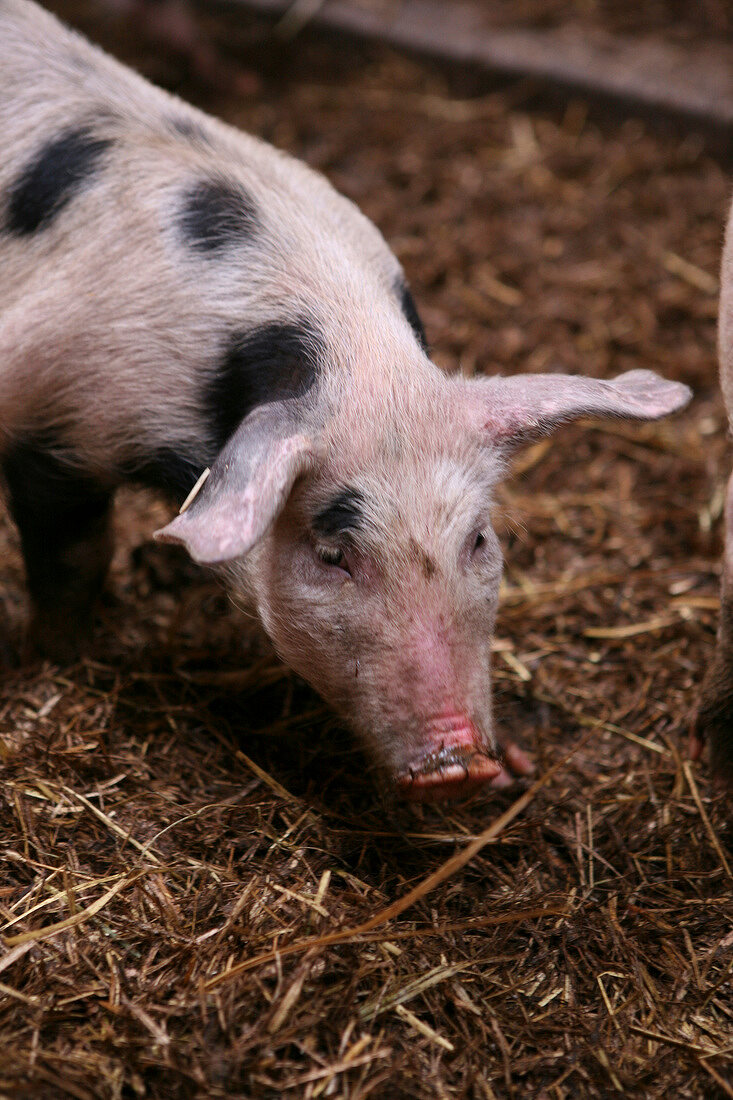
378	576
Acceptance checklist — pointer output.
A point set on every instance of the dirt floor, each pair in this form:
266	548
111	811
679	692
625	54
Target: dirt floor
187	837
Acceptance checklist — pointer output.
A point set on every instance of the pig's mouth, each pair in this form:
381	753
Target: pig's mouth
453	770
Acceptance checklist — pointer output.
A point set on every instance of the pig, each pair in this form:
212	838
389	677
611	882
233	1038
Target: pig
713	721
183	305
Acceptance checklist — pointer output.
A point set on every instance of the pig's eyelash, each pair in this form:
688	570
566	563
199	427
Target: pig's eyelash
330	555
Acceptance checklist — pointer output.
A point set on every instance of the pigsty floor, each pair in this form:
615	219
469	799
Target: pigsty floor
177	804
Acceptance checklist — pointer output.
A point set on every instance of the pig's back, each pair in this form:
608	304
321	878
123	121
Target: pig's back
54	82
140	240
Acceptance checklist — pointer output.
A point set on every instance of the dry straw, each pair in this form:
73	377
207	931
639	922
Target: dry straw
203	891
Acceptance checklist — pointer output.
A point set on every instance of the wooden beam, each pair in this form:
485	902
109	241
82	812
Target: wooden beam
693	82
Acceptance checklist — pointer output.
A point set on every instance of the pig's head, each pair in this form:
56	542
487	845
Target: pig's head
364	538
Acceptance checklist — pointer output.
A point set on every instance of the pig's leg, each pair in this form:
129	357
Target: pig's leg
63	520
714	720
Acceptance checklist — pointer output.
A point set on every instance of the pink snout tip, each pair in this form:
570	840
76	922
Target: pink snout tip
455	769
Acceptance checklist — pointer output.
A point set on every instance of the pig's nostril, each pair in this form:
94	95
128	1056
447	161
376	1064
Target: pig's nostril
449	771
447	756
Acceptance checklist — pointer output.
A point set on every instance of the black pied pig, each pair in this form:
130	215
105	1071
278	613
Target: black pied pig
177	296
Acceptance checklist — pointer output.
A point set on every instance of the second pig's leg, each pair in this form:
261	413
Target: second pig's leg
714	720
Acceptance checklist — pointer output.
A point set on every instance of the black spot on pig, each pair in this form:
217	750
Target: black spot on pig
59	169
271	363
342	514
46	476
171	470
216	215
407	304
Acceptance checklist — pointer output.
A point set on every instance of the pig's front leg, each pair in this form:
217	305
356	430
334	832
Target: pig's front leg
714	720
63	521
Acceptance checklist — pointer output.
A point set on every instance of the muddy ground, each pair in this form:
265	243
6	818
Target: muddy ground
181	805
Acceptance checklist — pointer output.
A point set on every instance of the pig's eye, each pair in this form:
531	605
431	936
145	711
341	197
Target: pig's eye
479	542
331	555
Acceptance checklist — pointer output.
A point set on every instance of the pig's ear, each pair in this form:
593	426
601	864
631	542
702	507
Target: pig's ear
248	486
524	407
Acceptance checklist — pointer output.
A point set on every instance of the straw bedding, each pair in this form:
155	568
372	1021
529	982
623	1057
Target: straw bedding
203	892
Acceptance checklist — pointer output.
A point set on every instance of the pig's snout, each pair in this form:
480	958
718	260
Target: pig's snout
455	763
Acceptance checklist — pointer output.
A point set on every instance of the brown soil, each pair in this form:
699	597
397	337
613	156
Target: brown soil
185	805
